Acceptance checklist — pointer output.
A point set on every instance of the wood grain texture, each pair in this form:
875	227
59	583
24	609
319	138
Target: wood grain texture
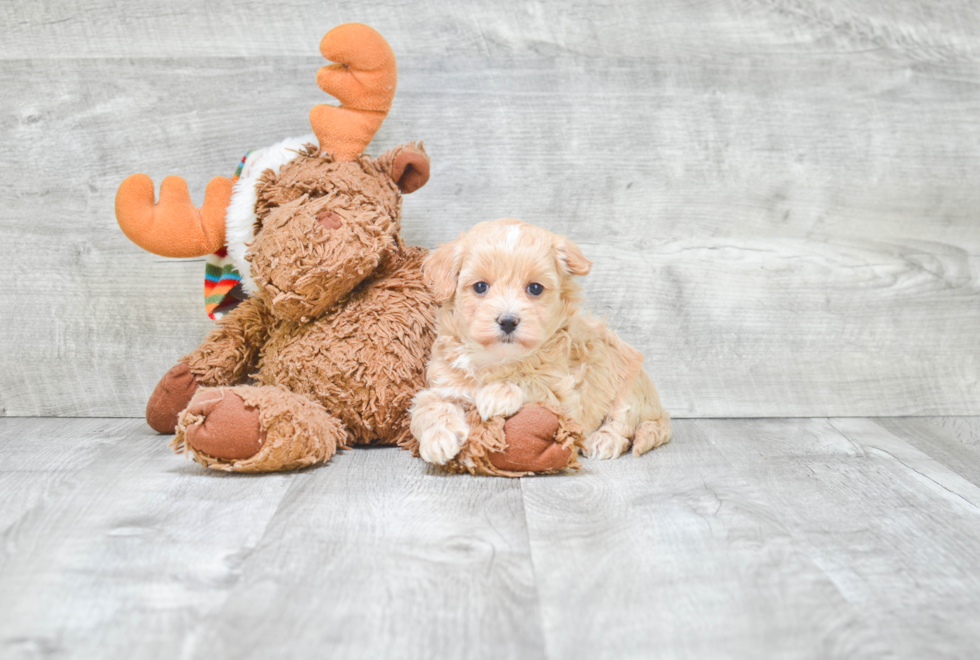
117	548
953	441
250	28
120	549
382	556
779	196
740	539
895	530
760	538
679	555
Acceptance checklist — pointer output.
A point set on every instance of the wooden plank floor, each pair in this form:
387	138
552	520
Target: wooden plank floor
808	538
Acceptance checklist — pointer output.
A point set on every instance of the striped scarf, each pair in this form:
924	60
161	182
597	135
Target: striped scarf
222	282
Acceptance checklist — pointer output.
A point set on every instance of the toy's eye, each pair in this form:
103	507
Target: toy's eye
481	287
535	289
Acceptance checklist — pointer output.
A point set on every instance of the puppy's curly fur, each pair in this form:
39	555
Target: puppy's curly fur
510	332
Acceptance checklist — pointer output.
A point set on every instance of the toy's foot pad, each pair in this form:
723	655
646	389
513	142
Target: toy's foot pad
171	395
224	427
531	445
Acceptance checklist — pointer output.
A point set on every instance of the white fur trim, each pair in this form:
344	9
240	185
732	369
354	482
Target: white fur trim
240	215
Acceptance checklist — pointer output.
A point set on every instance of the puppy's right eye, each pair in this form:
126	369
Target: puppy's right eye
481	287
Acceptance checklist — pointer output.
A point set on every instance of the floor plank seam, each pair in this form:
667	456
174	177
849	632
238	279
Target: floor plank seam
797	539
245	553
534	573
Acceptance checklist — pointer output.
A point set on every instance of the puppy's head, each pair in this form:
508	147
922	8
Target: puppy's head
509	285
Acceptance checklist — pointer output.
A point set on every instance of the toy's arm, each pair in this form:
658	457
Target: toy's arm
225	358
231	351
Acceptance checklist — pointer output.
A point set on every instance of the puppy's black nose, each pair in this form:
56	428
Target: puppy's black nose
508	323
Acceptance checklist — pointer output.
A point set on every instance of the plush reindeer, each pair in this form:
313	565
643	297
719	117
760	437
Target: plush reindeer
330	347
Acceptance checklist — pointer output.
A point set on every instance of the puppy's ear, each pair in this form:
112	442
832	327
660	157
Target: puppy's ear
441	269
570	258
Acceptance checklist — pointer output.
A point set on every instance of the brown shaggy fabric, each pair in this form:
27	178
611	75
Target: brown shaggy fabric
364	183
336	340
489	439
231	351
171	395
363	360
297	432
302	269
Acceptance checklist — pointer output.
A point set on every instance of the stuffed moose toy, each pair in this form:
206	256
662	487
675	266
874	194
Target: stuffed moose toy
328	344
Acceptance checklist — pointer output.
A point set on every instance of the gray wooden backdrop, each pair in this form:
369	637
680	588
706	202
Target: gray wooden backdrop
781	197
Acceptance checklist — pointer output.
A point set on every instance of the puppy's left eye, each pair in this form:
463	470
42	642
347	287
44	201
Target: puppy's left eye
535	289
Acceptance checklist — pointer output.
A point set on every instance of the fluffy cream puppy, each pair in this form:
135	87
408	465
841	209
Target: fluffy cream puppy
510	332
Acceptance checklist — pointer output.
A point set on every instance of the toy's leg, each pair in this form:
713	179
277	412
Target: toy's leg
257	429
171	395
531	445
538	439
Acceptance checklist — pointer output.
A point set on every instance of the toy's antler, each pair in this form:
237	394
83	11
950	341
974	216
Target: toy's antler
173	227
363	80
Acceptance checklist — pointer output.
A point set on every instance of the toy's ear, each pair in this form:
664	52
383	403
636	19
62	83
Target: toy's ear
441	269
407	165
570	257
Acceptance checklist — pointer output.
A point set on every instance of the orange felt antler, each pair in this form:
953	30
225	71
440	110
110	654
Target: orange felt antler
363	80
173	227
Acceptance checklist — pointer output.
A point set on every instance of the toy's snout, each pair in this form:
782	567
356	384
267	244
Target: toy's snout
329	220
309	254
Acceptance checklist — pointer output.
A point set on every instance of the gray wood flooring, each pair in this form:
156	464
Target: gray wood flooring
788	538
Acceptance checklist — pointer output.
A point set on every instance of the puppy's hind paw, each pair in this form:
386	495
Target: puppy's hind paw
650	435
605	443
440	444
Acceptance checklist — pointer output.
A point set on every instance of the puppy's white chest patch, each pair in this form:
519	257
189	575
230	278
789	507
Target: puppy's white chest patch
463	363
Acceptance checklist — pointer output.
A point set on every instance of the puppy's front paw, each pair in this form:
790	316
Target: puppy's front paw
605	443
500	398
440	444
439	426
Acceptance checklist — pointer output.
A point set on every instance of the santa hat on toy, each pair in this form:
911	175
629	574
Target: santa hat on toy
363	80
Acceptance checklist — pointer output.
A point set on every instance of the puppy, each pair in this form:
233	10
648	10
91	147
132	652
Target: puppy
510	332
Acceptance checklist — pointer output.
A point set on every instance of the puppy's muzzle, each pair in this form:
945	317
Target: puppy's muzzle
508	323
